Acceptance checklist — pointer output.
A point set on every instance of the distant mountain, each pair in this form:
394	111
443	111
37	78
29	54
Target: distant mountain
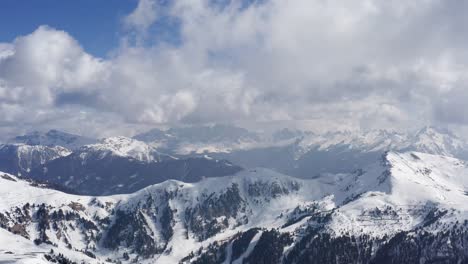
21	159
428	140
404	208
53	138
199	139
345	151
214	133
122	147
307	155
439	142
111	166
293	152
288	134
123	165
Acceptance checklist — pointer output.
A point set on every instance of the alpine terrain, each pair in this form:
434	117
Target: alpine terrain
234	132
406	207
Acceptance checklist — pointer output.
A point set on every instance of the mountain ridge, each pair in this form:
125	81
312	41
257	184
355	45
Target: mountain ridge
209	221
53	138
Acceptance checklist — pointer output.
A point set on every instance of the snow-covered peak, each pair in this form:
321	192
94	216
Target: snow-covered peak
53	138
123	147
435	141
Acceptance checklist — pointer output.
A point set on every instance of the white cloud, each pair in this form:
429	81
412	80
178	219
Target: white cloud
48	62
143	16
139	21
6	50
355	64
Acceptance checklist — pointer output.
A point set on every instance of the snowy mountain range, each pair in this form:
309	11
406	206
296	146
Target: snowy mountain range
175	152
292	152
201	139
307	155
220	194
405	208
428	140
110	166
228	139
53	138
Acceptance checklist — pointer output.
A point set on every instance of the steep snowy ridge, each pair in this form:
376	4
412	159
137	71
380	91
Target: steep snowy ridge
259	215
439	179
412	185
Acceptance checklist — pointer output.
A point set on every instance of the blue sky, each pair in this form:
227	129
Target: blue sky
96	24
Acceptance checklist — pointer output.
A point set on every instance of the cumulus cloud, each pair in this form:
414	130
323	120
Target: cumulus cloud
139	21
365	64
143	16
49	62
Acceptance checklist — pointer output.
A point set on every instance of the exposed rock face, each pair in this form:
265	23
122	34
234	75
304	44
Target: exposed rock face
211	216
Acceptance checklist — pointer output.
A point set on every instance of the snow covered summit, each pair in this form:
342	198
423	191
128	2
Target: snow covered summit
124	147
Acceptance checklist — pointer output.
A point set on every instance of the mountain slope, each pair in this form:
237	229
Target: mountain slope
162	217
21	159
17	249
410	208
114	174
373	215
